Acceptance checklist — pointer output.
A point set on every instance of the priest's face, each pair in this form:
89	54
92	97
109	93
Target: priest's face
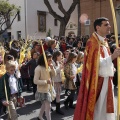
104	29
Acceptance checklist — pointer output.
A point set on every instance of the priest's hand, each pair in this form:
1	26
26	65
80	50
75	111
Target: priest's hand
116	53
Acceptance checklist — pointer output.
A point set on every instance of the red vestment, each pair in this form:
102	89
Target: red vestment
91	83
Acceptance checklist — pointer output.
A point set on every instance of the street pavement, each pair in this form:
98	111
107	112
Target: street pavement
32	108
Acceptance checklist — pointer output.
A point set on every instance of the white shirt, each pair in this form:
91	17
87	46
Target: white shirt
17	71
74	70
58	77
105	70
13	84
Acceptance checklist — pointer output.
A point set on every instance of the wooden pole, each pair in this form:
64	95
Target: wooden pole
45	59
7	99
118	59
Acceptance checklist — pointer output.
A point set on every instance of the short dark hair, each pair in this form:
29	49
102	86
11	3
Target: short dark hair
35	44
98	22
41	60
71	56
10	57
14	53
36	53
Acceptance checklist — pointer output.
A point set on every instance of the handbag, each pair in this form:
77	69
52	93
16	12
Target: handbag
20	101
52	92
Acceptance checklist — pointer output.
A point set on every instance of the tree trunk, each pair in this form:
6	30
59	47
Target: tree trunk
63	20
79	24
62	28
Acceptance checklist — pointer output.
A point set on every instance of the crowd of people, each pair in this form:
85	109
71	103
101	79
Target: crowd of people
55	63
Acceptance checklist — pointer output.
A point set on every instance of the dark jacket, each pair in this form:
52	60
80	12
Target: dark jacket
32	64
24	70
2	87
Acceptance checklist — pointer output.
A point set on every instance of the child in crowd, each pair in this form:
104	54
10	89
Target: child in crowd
24	70
57	58
13	87
17	67
32	64
70	71
66	54
79	62
16	53
43	81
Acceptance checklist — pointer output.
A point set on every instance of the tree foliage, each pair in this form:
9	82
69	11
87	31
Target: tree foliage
66	14
6	11
49	33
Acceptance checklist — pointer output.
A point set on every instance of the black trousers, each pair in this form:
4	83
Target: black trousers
70	94
26	81
34	85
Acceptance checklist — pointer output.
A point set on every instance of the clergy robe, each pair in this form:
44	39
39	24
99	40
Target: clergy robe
95	100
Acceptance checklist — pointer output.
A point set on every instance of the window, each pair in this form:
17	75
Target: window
55	22
19	16
19	35
41	21
9	35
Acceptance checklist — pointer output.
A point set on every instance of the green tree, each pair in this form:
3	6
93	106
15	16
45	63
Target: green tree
49	33
63	20
6	11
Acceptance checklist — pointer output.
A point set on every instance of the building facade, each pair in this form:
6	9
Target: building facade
35	21
98	8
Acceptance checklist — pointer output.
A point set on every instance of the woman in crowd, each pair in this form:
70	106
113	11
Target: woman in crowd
43	81
51	46
70	71
58	65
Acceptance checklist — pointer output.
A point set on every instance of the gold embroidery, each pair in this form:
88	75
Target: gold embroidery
103	43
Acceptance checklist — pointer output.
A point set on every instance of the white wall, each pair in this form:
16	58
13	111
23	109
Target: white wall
32	7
